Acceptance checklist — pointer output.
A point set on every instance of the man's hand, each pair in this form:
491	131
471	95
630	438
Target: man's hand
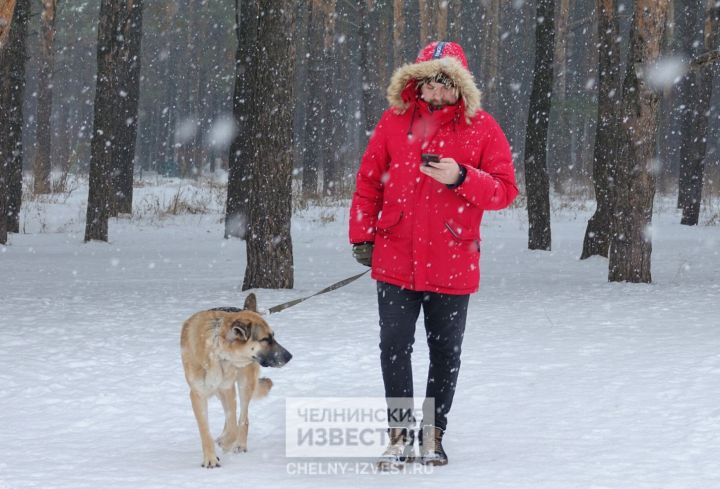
445	171
362	252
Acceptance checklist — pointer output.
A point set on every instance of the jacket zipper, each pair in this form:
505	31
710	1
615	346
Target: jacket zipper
452	231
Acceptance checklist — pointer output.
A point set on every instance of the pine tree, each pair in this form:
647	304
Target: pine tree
12	88
269	166
536	176
597	233
631	244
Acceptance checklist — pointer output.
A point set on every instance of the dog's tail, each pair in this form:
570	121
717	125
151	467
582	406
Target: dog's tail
262	388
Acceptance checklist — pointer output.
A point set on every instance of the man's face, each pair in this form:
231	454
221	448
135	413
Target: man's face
438	95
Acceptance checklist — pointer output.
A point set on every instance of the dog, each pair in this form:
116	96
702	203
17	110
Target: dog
220	348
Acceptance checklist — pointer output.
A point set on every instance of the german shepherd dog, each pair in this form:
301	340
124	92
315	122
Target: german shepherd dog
222	347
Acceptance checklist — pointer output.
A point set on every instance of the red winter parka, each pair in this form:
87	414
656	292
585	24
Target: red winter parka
427	235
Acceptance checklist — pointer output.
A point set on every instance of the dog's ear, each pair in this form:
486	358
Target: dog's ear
239	330
250	303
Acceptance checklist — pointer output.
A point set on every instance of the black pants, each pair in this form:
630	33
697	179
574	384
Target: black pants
445	317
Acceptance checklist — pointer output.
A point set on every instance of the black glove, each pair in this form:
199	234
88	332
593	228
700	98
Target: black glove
362	252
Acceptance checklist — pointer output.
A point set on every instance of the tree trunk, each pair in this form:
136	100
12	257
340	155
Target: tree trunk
320	81
667	120
329	101
386	57
7	9
372	57
367	47
6	17
127	108
42	166
105	137
597	233
441	19
558	147
491	55
269	243
12	88
536	176
433	20
399	34
456	11
688	23
3	205
631	243
167	164
195	34
61	155
696	143
246	27
202	87
426	21
340	139
312	125
302	26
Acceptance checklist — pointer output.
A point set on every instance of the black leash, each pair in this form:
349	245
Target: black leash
332	287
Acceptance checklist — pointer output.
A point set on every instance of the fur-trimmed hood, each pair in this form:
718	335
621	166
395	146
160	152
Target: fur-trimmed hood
446	57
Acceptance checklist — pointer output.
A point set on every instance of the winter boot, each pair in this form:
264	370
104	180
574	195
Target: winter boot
431	449
400	449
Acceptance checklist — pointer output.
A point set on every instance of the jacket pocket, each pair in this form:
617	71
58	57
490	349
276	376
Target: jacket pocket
392	254
463	236
389	220
454	258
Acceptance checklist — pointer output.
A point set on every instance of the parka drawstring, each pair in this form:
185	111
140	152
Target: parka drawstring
412	120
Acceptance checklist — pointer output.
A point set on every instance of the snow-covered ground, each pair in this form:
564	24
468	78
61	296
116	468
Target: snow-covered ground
568	381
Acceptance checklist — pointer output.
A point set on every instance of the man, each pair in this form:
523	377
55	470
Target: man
415	218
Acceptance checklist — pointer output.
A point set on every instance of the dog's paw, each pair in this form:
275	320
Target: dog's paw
211	462
240	449
227	443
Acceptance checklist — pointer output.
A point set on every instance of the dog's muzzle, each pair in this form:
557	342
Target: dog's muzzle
277	357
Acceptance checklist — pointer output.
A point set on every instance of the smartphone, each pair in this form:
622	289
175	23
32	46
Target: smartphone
428	158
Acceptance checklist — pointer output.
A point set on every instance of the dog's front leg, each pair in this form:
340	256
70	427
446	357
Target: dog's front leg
246	393
230	432
200	404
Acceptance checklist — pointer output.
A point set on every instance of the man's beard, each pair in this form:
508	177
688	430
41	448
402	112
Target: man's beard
441	106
